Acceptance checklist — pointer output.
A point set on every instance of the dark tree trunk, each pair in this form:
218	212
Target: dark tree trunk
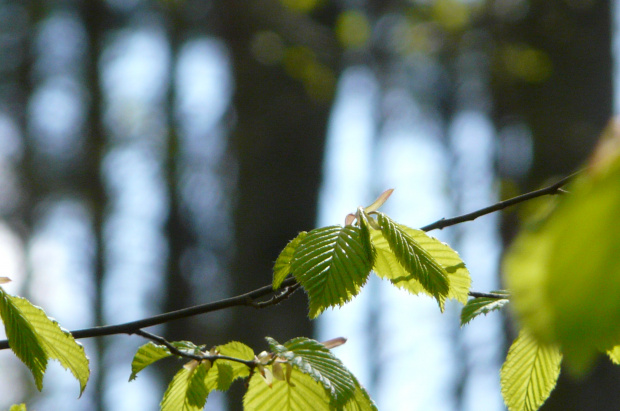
278	139
96	16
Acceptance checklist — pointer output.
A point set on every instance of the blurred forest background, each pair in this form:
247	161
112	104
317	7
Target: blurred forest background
159	154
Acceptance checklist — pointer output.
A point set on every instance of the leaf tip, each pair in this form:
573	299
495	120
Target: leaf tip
334	342
379	201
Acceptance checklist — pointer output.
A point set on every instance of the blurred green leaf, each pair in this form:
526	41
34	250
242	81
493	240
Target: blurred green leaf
614	354
565	277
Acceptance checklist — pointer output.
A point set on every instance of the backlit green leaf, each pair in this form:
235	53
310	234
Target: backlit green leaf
147	355
365	236
225	375
187	390
482	305
23	338
449	259
35	338
332	265
565	277
239	350
529	374
282	267
387	265
303	393
417	262
18	407
312	358
614	354
150	353
361	401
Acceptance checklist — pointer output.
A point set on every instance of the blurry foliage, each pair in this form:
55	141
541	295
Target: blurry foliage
565	274
352	29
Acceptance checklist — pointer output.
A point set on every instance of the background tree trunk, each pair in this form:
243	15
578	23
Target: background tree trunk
278	139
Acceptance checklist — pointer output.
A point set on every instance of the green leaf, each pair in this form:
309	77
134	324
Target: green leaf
614	354
282	267
147	355
225	375
220	376
418	263
35	338
529	374
565	277
224	372
187	391
387	265
18	407
365	236
150	353
312	358
361	401
239	350
23	338
458	275
302	394
482	305
332	265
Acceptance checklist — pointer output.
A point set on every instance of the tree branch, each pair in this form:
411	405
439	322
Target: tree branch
477	294
551	190
248	299
289	285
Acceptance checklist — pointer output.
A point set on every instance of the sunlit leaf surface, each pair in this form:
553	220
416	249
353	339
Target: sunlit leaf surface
529	373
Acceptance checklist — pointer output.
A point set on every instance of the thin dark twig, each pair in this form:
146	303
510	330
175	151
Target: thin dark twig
477	294
290	285
276	299
162	341
174	350
551	190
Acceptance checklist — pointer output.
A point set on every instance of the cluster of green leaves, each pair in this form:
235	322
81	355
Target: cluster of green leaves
333	263
35	339
300	374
